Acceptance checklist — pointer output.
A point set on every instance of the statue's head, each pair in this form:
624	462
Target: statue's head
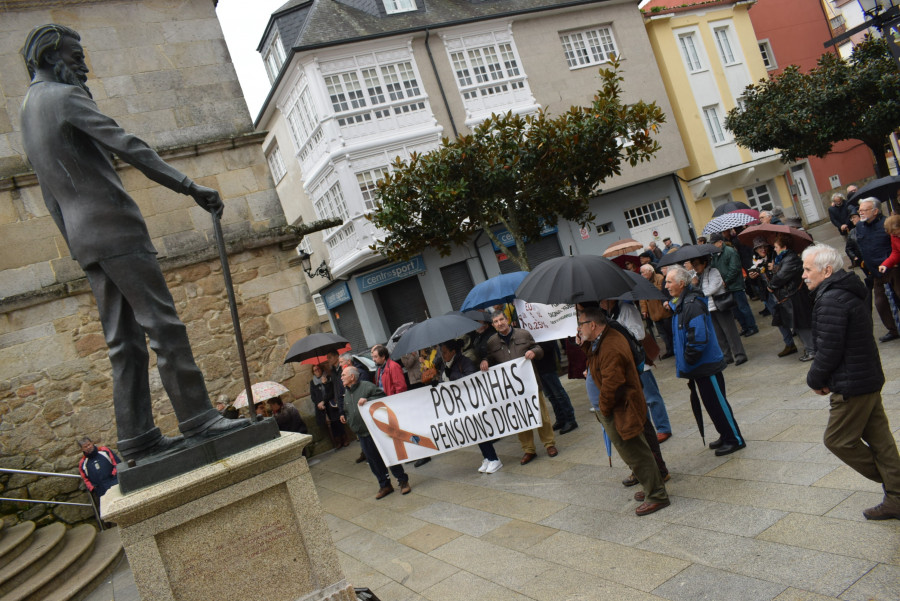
56	49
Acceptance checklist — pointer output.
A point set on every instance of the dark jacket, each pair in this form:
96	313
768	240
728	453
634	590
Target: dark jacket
729	265
840	215
697	351
847	360
460	367
520	343
289	420
98	470
69	143
874	243
794	308
361	390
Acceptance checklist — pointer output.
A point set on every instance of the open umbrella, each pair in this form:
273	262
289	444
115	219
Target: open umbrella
397	335
494	291
622	259
320	359
686	253
728	207
727	221
627	245
434	331
883	188
643	289
752	212
262	391
799	238
573	279
315	345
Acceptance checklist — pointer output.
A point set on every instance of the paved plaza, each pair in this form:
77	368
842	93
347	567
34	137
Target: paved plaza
781	519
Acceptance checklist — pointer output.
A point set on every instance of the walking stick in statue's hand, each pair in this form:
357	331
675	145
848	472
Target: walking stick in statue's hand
229	287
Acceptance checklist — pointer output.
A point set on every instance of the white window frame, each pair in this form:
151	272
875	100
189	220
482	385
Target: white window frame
768	57
723	43
368	184
300	114
486	69
714	124
647	213
587	47
393	7
686	41
375	91
274	58
755	195
276	163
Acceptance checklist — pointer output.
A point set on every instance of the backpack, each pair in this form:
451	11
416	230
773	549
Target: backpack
637	349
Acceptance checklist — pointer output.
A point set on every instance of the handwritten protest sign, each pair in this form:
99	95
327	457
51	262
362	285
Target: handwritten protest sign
547	322
452	415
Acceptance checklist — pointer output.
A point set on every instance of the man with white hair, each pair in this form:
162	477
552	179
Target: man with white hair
847	366
875	246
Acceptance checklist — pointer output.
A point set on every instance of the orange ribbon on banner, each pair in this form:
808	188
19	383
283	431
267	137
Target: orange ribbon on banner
392	429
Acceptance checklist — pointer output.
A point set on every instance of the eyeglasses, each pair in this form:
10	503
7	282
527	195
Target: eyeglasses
581	323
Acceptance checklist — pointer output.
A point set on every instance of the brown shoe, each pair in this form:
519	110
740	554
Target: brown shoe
630	480
361	458
663	436
527	458
405	488
552	451
788	350
385	491
881	512
639	496
648	508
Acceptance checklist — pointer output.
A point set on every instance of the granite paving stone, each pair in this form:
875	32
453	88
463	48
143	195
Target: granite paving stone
340	528
396	592
765	470
807	569
573	585
721	517
464	586
881	584
469	521
429	537
846	478
519	507
627	529
702	583
794	594
519	535
873	541
498	564
852	507
387	522
358	571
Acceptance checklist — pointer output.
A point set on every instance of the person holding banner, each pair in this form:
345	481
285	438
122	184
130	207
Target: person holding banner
513	343
356	394
614	385
456	366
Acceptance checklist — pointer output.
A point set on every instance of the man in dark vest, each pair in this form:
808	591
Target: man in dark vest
70	143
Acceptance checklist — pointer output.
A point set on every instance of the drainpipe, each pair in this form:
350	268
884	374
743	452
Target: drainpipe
440	85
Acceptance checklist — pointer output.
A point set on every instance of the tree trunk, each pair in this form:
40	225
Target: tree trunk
881	164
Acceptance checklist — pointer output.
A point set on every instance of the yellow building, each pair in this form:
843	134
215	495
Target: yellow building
707	54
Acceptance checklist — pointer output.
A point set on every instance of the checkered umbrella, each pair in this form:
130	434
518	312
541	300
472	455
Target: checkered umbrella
726	222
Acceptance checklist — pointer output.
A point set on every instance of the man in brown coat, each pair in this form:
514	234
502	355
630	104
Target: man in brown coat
614	383
512	343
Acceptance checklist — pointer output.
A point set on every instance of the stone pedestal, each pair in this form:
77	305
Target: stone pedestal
246	527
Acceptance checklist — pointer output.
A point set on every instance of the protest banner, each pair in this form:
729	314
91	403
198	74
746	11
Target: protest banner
435	419
547	322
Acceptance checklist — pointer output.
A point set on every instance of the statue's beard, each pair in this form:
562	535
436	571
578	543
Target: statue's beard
66	75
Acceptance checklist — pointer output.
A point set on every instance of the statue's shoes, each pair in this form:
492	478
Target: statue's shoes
163	445
221	426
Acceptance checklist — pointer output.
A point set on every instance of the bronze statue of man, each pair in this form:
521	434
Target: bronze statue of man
70	143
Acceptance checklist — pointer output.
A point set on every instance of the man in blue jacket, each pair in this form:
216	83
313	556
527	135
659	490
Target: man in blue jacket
875	246
699	359
848	367
97	467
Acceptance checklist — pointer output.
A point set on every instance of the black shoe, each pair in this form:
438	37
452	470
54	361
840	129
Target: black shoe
807	356
165	443
765	313
557	425
221	426
421	462
568	427
749	332
729	360
716	443
889	336
741	361
727	449
667	355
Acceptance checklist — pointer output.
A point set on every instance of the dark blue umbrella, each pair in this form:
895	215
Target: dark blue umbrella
495	291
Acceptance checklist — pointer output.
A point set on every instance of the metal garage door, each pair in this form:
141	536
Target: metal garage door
347	322
402	302
458	282
544	249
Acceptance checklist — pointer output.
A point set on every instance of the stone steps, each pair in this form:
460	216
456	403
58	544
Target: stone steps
54	563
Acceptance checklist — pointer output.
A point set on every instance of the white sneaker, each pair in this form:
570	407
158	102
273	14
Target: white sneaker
484	466
493	466
592	410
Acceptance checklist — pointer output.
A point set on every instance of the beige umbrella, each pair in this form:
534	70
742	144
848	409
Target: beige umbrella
622	246
262	391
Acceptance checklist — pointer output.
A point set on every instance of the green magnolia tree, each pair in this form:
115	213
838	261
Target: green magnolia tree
521	172
804	114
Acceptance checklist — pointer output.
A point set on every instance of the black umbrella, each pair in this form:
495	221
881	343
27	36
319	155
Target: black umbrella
686	253
574	279
884	189
696	409
731	205
643	289
315	345
434	331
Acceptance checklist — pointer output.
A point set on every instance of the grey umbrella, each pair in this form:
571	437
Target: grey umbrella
643	289
686	253
574	279
434	331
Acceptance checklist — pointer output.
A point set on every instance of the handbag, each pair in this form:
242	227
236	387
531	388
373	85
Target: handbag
724	301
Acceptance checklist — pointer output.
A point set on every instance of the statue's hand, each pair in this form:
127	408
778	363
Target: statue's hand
207	198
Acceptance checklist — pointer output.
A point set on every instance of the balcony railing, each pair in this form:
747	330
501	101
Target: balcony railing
348	245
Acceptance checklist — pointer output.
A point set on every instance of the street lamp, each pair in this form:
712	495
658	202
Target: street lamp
306	263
